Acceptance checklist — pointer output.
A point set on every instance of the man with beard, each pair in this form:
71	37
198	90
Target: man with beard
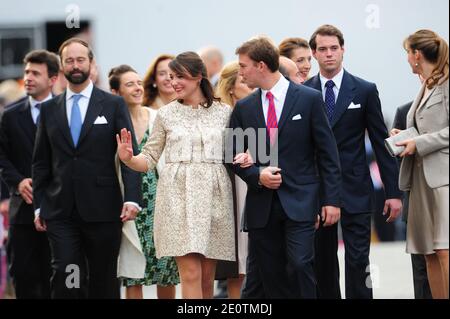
28	250
77	195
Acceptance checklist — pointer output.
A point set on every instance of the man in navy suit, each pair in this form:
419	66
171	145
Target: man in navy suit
28	250
78	198
353	108
284	199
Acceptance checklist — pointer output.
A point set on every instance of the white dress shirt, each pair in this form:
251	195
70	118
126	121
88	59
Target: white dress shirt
34	110
337	79
83	102
279	91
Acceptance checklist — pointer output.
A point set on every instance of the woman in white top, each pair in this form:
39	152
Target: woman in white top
124	81
194	213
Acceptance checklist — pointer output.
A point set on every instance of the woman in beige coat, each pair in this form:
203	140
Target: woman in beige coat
424	169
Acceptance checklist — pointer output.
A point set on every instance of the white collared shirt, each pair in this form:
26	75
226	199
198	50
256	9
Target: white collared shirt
34	110
83	102
279	91
337	84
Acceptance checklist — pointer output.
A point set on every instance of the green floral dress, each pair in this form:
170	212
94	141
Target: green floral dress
164	271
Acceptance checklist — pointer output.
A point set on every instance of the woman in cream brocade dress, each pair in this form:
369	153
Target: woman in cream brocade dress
193	212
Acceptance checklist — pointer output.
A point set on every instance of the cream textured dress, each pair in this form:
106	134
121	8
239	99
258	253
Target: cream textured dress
194	208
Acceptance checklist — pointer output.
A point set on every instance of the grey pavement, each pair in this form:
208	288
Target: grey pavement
390	267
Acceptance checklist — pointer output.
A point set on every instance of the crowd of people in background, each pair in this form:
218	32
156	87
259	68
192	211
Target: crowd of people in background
129	187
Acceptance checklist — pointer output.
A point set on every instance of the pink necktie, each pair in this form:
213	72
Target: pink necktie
272	124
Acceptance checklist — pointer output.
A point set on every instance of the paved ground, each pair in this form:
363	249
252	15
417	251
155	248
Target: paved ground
391	272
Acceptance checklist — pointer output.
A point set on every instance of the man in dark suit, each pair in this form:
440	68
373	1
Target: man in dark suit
28	250
353	107
283	197
78	199
419	266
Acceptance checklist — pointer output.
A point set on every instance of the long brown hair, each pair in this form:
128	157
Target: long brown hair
435	50
150	91
191	63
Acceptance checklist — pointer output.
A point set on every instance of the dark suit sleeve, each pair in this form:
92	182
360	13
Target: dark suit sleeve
249	175
42	160
10	174
400	117
377	132
327	155
131	179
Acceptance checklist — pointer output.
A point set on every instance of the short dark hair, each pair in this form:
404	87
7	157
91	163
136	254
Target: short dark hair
76	40
115	74
191	64
329	30
261	49
44	57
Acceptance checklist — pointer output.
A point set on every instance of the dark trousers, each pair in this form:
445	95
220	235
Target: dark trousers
356	236
84	258
252	287
281	245
28	255
420	277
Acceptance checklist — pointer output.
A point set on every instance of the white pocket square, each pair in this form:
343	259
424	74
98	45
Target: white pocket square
100	120
354	106
297	117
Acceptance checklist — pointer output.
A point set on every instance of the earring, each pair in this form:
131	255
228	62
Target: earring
154	85
417	64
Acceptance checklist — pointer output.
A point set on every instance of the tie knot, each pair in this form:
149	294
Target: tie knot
38	106
329	84
76	98
269	95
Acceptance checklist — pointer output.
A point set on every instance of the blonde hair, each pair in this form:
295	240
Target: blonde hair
227	80
435	50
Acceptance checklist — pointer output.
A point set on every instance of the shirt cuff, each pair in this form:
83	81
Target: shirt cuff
37	212
134	204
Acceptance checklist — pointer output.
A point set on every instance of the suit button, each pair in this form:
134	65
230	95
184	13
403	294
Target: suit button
75	158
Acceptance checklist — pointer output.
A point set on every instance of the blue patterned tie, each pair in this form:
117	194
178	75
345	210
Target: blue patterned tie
38	118
75	119
330	100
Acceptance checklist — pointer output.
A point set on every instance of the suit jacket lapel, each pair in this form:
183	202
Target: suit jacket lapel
315	83
345	97
93	110
26	121
287	107
61	118
259	114
414	106
259	109
425	99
